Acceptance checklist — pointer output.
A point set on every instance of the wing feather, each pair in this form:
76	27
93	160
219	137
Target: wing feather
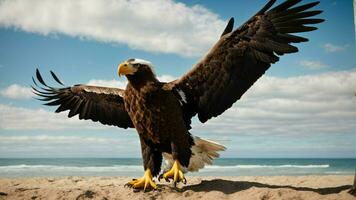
229	27
102	104
56	78
242	56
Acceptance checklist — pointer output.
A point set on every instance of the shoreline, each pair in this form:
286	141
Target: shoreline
210	187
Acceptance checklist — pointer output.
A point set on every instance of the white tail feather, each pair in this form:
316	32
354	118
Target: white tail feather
203	153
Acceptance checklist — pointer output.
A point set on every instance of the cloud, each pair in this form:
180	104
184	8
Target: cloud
314	104
69	146
332	48
301	106
122	84
152	26
166	78
58	139
18	118
108	83
312	65
310	115
16	91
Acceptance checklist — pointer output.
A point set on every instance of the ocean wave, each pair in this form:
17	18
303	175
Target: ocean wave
139	167
265	166
72	168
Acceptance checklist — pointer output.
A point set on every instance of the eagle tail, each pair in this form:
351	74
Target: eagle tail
203	153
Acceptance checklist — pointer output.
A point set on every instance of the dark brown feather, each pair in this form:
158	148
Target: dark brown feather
39	78
240	58
56	78
229	27
285	5
89	102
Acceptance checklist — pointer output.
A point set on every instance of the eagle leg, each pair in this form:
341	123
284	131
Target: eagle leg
144	183
174	173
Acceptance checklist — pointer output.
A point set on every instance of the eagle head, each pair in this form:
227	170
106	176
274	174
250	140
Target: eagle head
134	66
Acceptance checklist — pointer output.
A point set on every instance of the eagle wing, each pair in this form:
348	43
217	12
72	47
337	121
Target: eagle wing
240	57
102	104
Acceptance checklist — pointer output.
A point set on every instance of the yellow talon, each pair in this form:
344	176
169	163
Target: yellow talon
144	182
174	173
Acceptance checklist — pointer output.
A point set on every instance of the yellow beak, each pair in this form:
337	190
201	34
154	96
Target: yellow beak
125	69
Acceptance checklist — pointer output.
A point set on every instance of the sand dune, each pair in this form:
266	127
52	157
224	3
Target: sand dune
262	188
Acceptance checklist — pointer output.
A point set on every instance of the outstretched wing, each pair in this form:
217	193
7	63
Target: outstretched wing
102	104
240	57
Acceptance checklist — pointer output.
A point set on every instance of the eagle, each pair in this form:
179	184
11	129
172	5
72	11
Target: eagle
162	112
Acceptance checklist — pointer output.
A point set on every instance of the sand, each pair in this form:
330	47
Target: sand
215	188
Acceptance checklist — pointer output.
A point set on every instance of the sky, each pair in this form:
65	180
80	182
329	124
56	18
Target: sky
304	106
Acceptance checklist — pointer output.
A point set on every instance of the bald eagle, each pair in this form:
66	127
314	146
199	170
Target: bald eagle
161	112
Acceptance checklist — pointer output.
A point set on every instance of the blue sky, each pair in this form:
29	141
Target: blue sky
302	107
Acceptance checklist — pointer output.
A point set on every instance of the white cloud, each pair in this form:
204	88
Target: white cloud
166	78
162	26
301	106
313	65
17	118
69	145
277	116
314	104
332	48
16	91
58	139
122	83
108	83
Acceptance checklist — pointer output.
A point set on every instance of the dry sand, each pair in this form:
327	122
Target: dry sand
263	188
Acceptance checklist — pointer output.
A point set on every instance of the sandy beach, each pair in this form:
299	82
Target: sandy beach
263	188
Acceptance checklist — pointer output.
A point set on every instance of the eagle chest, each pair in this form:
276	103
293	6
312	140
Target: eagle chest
151	110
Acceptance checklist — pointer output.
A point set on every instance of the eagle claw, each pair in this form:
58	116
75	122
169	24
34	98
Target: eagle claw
142	183
174	173
161	176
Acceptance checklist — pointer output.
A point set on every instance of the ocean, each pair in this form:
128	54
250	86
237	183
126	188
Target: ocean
53	167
